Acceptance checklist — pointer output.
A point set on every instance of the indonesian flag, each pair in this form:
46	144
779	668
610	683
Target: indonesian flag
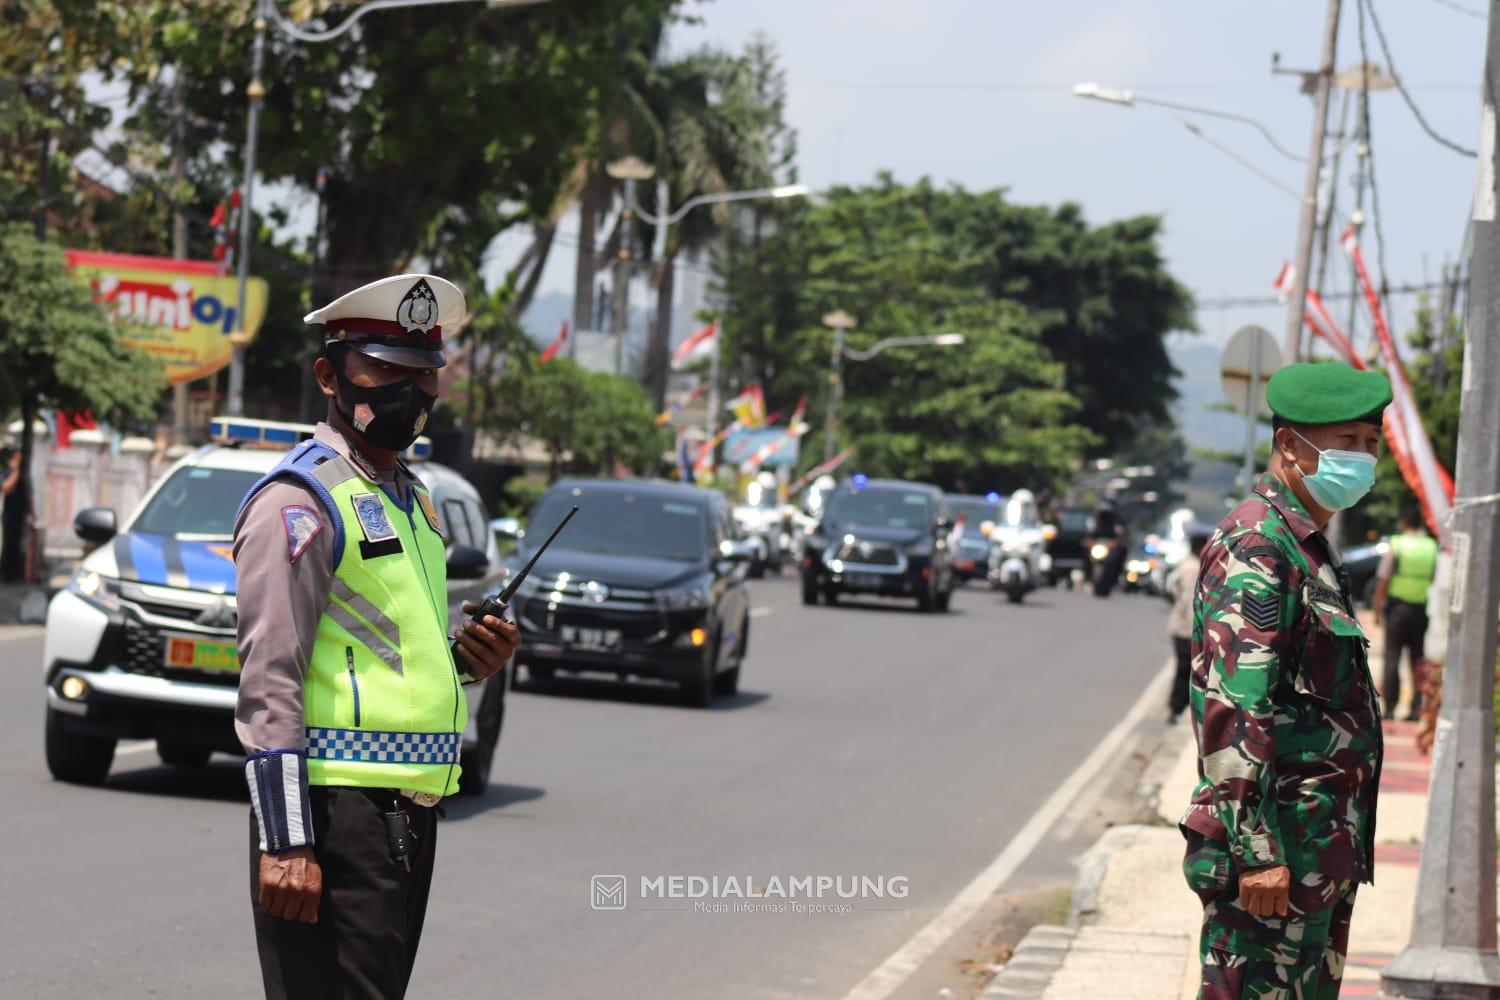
749	406
557	343
699	345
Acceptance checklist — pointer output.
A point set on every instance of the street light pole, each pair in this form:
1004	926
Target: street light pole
1307	221
256	93
838	321
1452	948
265	12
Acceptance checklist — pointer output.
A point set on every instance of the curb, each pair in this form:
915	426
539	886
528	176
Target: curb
1030	969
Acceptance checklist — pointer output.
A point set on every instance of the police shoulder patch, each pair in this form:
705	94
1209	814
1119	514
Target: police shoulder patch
1262	611
302	525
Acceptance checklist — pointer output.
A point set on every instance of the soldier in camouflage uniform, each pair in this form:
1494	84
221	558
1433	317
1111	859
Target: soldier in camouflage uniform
1281	828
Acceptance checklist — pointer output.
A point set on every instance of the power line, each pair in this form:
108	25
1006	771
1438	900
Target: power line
1401	87
1272	300
1461	8
1364	56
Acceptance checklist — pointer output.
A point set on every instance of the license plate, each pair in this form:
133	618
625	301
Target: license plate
201	654
591	640
871	581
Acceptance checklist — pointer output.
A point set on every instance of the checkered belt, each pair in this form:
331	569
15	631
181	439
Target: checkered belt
373	747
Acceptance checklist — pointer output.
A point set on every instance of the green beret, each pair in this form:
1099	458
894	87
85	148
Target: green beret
1327	394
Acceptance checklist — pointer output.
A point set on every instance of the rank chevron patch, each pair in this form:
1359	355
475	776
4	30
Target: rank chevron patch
1263	611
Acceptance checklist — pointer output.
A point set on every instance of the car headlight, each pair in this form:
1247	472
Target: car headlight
1099	551
684	598
95	589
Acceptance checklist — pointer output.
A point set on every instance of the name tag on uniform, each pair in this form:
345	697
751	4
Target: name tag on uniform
380	536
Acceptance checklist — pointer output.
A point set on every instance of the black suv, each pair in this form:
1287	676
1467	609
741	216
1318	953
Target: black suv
881	537
648	580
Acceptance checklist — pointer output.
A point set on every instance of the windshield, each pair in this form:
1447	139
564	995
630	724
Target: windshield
620	523
196	501
1073	520
881	508
975	513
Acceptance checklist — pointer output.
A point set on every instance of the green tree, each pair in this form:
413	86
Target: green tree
1055	312
995	412
589	422
58	347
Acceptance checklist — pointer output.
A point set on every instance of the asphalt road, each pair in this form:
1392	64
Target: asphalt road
866	741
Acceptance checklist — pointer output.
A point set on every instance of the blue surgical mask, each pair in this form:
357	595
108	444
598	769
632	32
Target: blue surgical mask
1343	477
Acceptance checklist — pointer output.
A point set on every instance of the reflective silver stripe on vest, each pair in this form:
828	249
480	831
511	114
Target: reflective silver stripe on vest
366	622
373	747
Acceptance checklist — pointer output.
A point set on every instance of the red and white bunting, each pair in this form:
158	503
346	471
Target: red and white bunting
1419	466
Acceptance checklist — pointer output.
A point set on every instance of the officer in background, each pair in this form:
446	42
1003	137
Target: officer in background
1281	828
1401	585
350	709
1182	583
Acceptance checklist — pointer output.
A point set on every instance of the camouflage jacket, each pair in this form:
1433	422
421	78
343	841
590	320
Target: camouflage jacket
1284	709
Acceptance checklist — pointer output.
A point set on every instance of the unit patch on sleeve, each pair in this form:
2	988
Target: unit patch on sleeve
302	525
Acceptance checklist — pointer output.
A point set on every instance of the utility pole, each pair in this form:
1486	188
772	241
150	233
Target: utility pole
180	428
256	92
619	293
1308	220
1452	949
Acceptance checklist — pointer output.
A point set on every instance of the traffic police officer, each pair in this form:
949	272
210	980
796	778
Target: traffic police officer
350	709
1281	828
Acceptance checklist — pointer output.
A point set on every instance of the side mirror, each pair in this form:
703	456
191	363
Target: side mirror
96	524
735	550
465	562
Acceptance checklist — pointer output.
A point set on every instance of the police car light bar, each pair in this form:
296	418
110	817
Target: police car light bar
277	434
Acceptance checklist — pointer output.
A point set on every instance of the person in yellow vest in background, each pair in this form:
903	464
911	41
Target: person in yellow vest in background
1401	586
350	708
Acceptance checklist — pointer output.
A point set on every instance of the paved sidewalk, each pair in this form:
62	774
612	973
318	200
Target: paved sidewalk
1133	932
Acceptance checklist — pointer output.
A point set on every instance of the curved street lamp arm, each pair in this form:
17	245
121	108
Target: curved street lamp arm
714	199
303	35
1212	113
889	342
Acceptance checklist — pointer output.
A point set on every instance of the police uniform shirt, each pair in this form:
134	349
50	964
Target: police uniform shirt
283	557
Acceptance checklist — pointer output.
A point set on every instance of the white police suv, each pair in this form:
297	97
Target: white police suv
141	643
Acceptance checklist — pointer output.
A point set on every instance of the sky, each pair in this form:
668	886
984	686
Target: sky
979	93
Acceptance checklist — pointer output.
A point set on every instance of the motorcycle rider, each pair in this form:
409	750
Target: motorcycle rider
1108	527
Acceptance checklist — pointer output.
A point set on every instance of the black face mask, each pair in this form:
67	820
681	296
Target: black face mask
389	416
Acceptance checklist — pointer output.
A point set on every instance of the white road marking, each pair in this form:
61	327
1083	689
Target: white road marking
134	746
890	974
761	612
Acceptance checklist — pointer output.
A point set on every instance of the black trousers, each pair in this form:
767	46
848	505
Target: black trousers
1405	629
1177	699
370	918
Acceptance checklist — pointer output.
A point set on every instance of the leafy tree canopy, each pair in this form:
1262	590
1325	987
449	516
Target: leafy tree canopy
1064	327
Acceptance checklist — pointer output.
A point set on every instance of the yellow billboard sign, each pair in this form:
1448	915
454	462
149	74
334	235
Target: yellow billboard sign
182	312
